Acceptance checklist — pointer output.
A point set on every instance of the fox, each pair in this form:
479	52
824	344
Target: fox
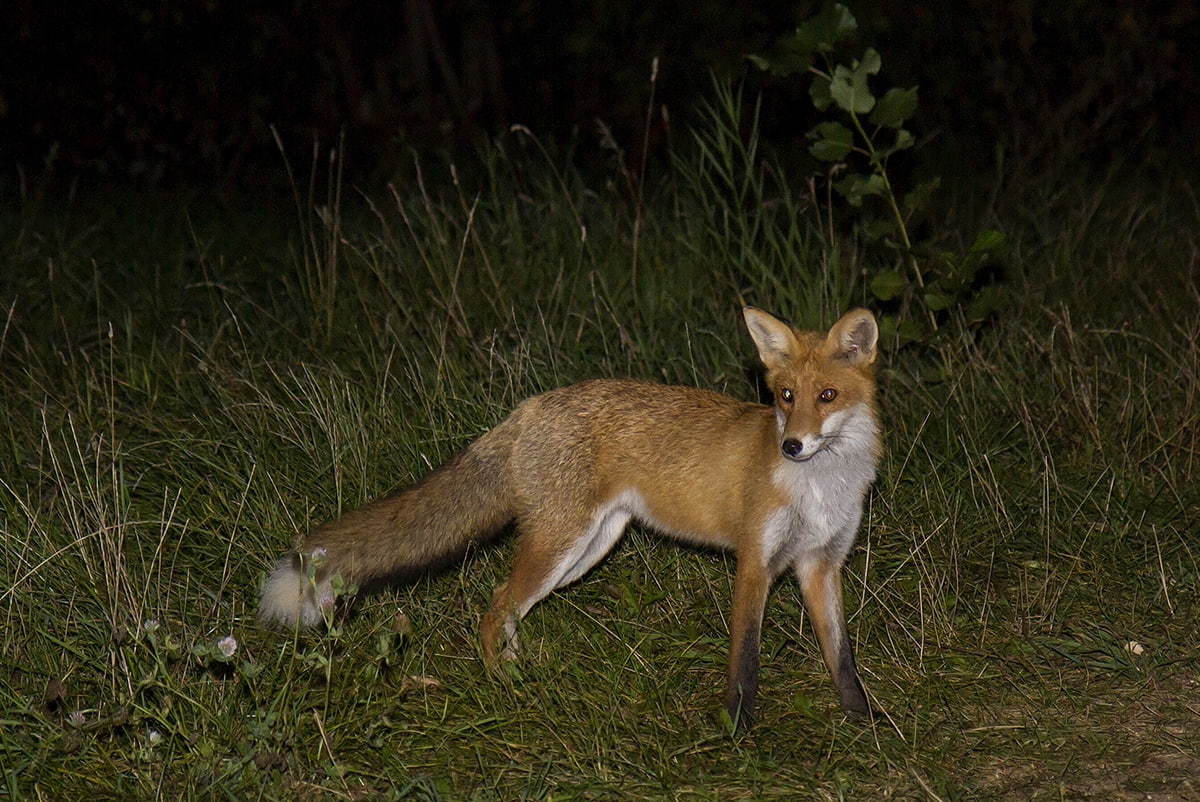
781	486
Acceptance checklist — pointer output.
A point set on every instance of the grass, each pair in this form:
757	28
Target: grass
188	388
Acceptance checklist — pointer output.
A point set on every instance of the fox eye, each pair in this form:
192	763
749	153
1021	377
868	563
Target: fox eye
786	394
828	394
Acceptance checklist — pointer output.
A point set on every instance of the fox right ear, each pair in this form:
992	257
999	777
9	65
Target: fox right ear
854	337
774	339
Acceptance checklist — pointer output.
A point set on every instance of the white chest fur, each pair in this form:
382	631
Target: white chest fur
826	491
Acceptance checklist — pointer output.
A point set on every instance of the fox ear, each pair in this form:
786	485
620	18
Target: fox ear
774	338
854	337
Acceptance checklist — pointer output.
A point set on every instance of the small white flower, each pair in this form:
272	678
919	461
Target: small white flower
227	646
77	718
154	737
1133	647
319	554
151	625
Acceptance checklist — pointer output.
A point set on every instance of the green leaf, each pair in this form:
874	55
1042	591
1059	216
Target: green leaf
938	301
792	54
828	151
870	64
827	27
887	328
959	271
896	106
850	91
988	241
833	141
911	331
985	304
904	140
921	193
888	284
880	228
818	90
855	187
817	34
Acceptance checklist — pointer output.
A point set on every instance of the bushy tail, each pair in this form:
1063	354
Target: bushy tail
464	501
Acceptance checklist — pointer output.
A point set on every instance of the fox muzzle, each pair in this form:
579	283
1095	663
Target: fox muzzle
799	450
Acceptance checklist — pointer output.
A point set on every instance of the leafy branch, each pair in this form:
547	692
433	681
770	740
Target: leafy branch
863	132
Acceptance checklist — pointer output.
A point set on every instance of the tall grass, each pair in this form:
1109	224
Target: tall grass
186	393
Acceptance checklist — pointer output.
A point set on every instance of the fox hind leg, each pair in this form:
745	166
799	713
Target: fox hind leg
545	560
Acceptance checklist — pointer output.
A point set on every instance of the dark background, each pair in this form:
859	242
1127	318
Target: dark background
164	93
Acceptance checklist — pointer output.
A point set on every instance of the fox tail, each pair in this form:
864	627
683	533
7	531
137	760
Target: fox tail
465	501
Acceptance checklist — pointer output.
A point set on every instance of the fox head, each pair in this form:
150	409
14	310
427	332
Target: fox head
823	384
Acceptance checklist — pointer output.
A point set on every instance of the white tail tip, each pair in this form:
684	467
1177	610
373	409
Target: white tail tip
289	598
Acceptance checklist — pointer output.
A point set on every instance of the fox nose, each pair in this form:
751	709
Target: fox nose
792	448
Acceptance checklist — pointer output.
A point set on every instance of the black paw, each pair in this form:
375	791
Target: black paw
856	706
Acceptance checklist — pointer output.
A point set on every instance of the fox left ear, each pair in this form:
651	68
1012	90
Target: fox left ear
854	337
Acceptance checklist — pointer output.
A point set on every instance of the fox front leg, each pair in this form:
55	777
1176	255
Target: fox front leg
750	588
821	585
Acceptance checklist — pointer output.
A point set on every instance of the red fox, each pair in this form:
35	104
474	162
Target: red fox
781	486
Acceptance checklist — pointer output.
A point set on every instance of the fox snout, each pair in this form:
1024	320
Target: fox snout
801	433
800	449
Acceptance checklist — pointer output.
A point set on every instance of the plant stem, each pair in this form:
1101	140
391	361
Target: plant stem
877	165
